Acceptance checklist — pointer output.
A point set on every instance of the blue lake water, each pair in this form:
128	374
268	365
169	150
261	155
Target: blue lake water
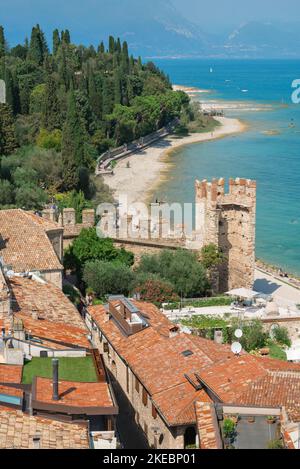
273	160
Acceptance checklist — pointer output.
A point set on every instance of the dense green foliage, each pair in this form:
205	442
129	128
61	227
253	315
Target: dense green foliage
201	303
254	336
66	105
89	247
180	268
108	278
153	289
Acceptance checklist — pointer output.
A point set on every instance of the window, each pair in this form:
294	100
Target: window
146	429
106	348
137	418
145	397
154	411
137	385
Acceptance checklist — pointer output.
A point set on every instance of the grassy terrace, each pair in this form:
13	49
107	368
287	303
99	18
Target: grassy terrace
70	369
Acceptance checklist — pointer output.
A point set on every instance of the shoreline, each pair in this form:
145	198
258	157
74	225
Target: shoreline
147	169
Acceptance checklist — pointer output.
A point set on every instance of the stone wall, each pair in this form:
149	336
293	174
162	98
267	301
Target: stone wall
228	221
155	429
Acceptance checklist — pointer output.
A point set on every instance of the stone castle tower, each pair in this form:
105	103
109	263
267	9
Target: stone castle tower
228	220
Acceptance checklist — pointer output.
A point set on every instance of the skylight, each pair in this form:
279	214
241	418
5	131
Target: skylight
187	353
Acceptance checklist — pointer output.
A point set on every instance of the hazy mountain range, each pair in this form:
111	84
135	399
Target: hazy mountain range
158	29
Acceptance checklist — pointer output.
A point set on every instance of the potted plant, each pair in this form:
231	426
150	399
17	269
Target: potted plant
271	419
228	431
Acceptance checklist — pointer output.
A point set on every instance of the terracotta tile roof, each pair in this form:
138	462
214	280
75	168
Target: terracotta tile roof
74	394
44	298
178	403
275	389
228	379
152	349
54	335
24	243
11	391
208	431
159	363
47	224
17	431
11	374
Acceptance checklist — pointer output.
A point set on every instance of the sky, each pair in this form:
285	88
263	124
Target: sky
222	14
87	16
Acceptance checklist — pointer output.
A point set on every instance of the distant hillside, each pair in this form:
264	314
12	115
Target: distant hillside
152	29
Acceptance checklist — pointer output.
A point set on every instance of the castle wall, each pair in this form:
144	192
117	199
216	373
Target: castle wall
228	221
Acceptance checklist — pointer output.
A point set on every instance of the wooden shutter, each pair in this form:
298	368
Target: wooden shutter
145	397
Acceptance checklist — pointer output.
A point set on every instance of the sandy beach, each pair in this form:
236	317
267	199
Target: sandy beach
147	168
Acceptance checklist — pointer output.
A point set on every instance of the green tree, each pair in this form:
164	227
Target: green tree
7	130
38	47
107	278
56	41
153	289
89	247
6	192
30	197
73	139
211	256
2	42
37	99
281	336
181	268
51	115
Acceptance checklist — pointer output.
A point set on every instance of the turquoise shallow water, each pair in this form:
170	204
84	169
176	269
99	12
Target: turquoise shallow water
274	161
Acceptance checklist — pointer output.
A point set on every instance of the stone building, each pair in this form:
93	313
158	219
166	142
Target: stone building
180	386
228	220
30	243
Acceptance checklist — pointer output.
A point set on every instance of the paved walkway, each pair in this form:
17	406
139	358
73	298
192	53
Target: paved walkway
283	294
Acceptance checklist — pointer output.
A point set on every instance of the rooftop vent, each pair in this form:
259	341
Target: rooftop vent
187	353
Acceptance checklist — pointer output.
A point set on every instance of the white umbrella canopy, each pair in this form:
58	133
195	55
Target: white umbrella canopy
244	293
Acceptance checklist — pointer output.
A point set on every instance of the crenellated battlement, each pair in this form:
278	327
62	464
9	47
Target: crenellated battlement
227	219
241	192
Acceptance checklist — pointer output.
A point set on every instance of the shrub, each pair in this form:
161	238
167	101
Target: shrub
49	140
181	268
275	444
155	291
228	428
106	278
281	335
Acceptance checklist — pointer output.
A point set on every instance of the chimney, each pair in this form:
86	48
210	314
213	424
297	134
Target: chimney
35	314
55	363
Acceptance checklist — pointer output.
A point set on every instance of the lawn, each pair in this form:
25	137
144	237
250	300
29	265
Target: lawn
70	369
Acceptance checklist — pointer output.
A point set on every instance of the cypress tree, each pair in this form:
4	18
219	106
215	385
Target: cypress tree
2	42
56	41
10	92
73	138
66	37
51	117
111	46
117	87
94	96
107	97
35	52
118	46
101	48
7	130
